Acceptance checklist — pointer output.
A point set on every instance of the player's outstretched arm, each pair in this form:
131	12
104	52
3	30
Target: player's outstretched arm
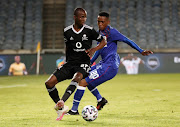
91	51
146	52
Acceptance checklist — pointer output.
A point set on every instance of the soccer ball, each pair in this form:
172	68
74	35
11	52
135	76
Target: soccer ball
89	113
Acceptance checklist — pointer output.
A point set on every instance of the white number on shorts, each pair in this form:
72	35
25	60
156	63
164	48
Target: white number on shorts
94	74
85	67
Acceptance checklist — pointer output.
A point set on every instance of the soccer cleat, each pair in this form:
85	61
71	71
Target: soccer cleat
59	105
72	113
61	112
101	104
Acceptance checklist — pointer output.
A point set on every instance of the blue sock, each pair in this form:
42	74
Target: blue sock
95	92
77	98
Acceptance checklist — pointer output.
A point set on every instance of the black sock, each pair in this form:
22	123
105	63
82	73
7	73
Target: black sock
53	93
71	88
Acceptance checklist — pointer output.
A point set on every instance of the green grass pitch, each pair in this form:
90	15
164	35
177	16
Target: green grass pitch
144	100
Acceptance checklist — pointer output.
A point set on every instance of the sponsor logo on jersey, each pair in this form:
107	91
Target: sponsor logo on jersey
153	62
71	38
84	37
2	65
79	50
79	46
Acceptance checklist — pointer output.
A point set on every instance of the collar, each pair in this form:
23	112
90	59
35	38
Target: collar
77	32
106	31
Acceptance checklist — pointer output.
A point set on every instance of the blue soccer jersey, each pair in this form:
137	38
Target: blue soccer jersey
109	52
108	66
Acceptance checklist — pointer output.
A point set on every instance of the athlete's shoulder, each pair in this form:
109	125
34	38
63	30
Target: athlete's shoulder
114	30
22	64
68	28
88	27
118	35
12	64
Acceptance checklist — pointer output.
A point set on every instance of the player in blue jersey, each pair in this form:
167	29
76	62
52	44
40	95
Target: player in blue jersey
107	68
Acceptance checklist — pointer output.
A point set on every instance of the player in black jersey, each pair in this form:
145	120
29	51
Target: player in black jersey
78	40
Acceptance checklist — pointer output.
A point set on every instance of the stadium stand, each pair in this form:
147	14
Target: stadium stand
20	24
152	24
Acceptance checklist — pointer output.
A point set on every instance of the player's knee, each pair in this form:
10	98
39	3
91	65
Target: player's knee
83	83
77	77
49	84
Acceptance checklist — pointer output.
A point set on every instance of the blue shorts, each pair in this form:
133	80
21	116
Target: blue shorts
100	73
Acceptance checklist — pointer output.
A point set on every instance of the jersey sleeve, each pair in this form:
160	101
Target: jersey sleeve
96	36
65	38
11	68
117	36
24	66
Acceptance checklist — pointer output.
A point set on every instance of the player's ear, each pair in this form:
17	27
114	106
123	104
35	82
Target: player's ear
109	21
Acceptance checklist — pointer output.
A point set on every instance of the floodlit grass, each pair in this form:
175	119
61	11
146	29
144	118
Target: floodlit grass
145	100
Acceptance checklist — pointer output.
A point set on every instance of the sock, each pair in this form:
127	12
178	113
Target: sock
95	92
53	93
77	98
71	88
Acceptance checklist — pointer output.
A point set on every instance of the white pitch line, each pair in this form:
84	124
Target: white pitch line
12	86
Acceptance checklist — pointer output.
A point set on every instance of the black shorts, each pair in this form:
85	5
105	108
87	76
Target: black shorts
68	70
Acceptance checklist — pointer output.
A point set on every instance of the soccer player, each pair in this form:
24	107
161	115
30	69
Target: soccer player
107	68
78	39
17	68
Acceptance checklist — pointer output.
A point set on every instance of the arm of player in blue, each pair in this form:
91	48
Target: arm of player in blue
117	36
132	44
95	56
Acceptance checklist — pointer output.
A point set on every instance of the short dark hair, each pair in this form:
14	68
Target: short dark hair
104	14
76	10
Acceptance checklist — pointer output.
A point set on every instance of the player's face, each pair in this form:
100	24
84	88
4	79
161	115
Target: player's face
103	22
17	59
80	18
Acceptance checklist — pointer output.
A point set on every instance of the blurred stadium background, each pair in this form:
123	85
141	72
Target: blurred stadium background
152	24
144	100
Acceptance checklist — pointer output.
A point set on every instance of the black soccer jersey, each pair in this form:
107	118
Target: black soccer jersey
78	42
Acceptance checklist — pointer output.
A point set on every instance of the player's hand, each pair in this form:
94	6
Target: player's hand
146	52
90	52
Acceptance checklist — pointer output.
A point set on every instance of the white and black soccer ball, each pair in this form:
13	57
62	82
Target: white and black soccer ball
89	113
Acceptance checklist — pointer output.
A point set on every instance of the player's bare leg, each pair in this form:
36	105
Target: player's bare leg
50	85
53	92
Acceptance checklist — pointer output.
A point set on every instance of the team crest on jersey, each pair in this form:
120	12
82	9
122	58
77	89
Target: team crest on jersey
84	37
